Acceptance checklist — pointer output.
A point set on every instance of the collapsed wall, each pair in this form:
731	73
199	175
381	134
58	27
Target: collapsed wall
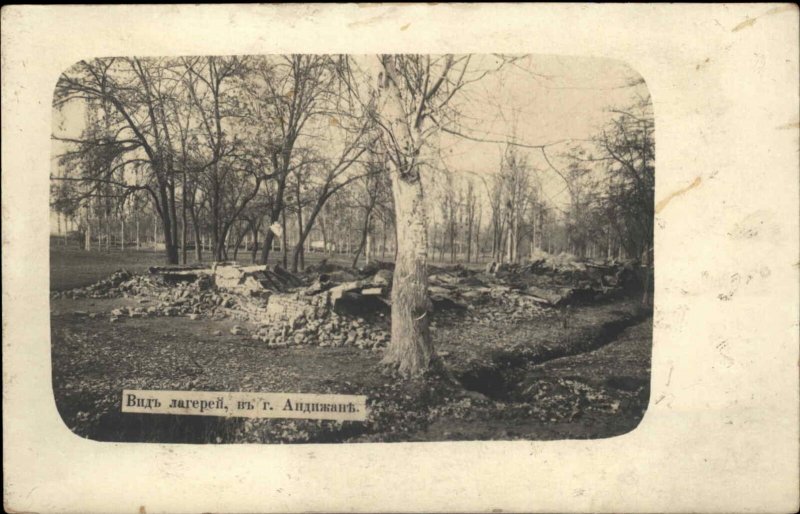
290	306
324	313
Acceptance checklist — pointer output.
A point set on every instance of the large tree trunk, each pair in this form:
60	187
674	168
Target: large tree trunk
169	242
324	235
411	349
269	238
254	254
364	241
108	230
166	224
452	245
368	251
183	220
298	255
198	242
305	227
136	218
275	214
383	238
238	241
66	229
478	238
469	238
285	240
510	241
173	215
87	241
441	246
219	245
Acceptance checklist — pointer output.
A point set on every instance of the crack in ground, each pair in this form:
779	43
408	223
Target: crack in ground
501	379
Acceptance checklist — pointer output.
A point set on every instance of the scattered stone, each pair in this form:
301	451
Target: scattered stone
382	278
328	308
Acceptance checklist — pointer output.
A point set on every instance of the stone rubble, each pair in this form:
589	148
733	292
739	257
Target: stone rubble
340	307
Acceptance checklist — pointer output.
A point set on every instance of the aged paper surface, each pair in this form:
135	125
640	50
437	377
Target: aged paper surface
720	433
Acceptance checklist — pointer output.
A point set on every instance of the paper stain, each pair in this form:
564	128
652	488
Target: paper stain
702	64
404	27
735	282
789	126
663	203
758	224
749	22
743	25
373	19
729	361
142	510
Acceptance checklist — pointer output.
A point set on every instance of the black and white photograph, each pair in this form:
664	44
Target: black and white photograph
472	257
465	242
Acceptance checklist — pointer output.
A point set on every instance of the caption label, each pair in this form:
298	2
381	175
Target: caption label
340	407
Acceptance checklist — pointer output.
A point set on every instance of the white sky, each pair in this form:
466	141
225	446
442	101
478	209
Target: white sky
547	99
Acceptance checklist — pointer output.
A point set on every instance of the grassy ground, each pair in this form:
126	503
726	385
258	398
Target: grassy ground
72	267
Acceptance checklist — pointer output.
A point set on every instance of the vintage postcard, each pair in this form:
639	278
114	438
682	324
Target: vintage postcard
401	258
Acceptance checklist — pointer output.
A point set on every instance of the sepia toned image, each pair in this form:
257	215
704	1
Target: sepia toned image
465	242
385	258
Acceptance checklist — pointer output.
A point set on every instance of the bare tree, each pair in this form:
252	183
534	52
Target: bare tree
376	188
471	208
136	132
332	177
289	91
415	101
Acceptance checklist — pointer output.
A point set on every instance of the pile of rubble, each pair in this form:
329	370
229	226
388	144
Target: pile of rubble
335	306
562	279
505	305
197	299
285	308
331	311
108	288
485	301
330	330
254	280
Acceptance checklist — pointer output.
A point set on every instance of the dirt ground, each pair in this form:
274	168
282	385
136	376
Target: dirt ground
584	374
